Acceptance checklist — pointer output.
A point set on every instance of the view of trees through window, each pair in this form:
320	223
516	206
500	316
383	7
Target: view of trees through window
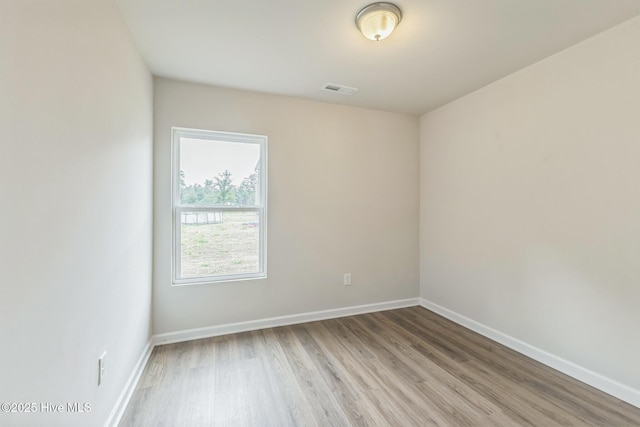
219	191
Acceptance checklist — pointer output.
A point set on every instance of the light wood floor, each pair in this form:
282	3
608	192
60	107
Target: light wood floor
407	367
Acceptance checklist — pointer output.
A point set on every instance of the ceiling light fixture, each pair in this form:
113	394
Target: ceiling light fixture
378	20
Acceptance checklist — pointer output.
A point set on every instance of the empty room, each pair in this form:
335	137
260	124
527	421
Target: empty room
319	213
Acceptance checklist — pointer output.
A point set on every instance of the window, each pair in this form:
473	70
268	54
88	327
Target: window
219	206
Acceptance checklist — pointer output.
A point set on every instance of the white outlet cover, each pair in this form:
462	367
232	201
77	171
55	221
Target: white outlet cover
102	367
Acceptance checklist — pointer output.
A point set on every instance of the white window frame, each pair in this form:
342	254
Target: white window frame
177	208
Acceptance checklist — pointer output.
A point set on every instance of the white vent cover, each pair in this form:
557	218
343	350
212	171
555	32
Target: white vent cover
342	90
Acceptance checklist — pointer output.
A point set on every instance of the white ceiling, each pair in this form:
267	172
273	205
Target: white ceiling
441	50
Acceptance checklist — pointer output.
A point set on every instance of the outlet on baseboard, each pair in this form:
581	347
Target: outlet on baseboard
102	367
347	279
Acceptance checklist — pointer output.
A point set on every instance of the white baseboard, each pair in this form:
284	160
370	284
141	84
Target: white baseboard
252	325
607	385
129	387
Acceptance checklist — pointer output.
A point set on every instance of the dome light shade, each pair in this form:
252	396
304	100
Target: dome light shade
378	20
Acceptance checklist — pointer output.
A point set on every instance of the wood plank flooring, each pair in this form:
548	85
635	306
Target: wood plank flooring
406	367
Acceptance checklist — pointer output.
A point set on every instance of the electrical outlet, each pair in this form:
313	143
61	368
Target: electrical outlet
102	367
347	279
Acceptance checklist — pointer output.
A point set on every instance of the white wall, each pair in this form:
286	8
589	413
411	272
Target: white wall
76	206
530	205
343	198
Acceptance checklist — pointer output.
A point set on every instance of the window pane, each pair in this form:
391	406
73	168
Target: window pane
214	173
219	243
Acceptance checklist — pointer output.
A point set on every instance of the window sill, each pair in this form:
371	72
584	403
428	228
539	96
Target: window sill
214	281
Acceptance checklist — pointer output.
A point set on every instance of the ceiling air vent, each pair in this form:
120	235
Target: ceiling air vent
342	90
